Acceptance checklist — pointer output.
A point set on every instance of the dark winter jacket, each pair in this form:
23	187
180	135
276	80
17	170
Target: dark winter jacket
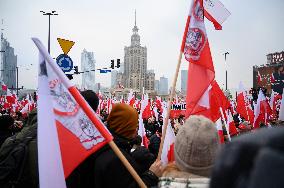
104	169
254	160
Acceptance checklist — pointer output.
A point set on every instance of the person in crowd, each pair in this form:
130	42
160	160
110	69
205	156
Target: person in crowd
251	161
143	157
108	169
195	151
137	141
6	122
141	154
154	142
104	168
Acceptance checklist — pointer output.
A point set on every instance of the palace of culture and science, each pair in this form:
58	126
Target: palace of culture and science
134	73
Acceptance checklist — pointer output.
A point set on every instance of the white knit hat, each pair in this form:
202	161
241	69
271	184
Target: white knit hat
196	146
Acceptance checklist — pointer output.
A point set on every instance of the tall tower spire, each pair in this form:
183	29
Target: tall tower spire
135	38
135	17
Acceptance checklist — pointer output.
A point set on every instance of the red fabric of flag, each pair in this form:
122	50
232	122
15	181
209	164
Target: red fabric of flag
197	51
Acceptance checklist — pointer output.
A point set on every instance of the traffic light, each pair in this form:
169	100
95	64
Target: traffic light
76	70
112	64
118	63
69	76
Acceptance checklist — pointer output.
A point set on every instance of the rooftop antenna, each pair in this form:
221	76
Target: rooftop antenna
2	20
135	17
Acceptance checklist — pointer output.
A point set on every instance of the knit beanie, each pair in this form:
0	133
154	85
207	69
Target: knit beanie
196	146
123	120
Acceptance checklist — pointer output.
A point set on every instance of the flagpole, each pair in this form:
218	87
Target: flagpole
173	88
89	112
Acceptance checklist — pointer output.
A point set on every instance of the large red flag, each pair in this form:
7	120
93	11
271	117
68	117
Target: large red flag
68	129
197	51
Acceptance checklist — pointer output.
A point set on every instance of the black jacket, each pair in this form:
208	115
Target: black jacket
104	169
254	161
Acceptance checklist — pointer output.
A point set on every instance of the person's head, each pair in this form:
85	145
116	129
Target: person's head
123	121
196	146
137	140
92	99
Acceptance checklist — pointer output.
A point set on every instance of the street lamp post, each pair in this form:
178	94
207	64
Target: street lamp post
52	13
225	54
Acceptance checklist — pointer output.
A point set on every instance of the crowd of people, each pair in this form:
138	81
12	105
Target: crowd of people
254	159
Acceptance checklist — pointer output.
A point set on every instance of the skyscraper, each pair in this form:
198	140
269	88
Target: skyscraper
135	74
8	64
163	86
88	63
114	78
183	82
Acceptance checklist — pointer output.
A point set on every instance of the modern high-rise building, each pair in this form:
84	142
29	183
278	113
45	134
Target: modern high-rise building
183	82
163	86
8	64
88	63
114	82
157	82
135	74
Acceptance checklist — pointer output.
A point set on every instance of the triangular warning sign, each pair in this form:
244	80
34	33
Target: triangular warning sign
66	45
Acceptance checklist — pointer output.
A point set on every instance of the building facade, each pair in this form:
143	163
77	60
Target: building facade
272	73
88	63
183	81
135	74
8	64
163	86
114	82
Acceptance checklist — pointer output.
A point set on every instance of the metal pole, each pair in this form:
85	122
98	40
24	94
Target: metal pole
225	54
17	69
226	80
49	33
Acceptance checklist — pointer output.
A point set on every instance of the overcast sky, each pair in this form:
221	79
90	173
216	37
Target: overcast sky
254	29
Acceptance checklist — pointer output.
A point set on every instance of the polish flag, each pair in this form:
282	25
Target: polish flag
142	132
272	79
68	129
10	97
232	127
241	102
168	147
215	12
131	98
4	87
195	47
220	131
262	110
259	78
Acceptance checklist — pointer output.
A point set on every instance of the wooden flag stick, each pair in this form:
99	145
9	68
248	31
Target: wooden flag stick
173	88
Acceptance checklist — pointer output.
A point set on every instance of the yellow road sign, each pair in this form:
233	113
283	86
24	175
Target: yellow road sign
66	45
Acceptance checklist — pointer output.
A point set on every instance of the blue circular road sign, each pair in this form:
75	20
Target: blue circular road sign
64	62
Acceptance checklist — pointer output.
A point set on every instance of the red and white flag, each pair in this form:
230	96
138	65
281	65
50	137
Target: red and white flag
142	132
262	110
4	87
272	79
131	98
195	47
243	106
259	78
168	147
219	128
215	12
68	129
